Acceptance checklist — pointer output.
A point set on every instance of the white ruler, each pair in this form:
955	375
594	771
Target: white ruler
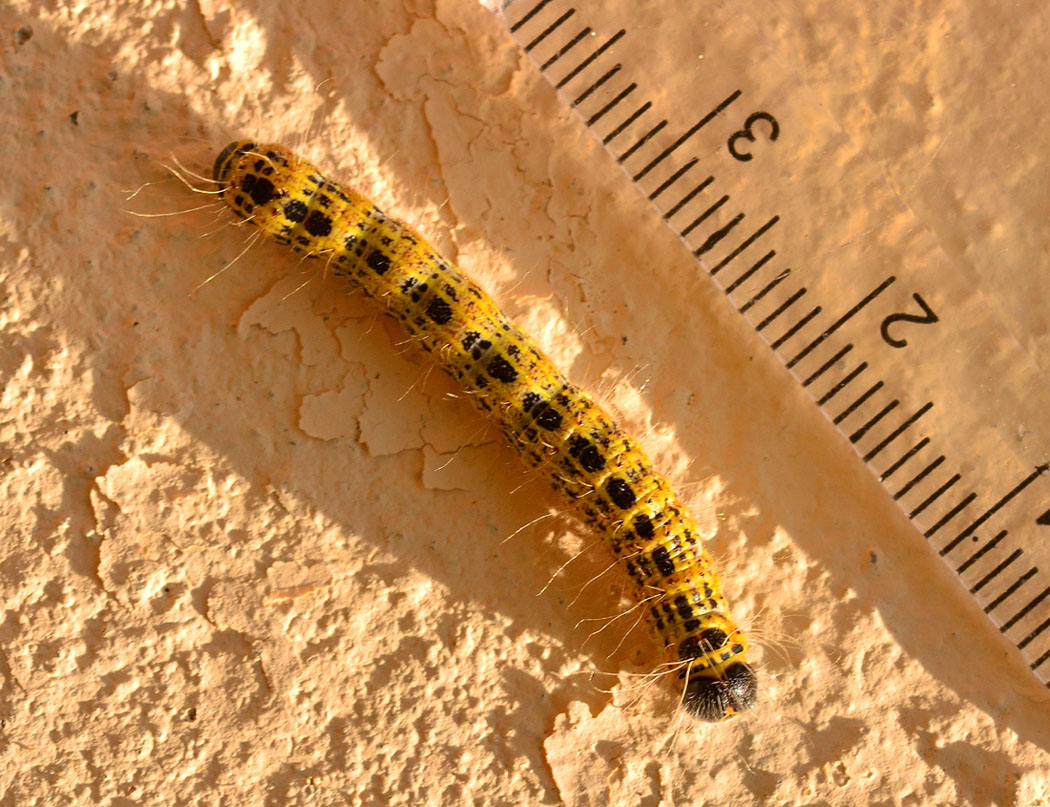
875	323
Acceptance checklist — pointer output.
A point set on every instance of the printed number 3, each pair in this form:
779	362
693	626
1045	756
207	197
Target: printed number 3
749	136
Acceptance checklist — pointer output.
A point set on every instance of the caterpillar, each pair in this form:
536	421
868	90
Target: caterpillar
555	427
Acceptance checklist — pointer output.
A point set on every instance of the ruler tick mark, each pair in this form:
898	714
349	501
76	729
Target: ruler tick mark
962	505
849	410
634	116
718	235
645	138
743	278
871	295
798	326
587	62
703	216
667	183
898	431
566	48
991	511
1027	640
980	553
550	29
532	13
748	242
688	197
934	496
918	478
776	281
911	452
1007	592
692	130
863	430
831	393
996	571
583	96
1038	663
826	366
790	301
597	116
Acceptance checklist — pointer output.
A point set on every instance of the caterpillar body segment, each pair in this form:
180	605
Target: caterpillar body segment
555	427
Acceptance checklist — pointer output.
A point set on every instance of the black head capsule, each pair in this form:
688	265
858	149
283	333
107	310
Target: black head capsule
714	699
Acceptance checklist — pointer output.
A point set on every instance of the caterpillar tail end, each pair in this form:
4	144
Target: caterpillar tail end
714	699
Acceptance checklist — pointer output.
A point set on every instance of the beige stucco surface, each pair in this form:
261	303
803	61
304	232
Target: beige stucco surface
252	552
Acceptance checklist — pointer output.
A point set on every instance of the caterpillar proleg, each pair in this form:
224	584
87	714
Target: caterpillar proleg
555	427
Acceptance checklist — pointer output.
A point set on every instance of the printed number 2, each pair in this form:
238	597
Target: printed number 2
749	136
926	318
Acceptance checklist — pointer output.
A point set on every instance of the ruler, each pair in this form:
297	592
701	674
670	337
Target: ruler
883	333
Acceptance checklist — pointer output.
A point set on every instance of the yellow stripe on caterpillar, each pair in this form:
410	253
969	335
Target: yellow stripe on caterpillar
555	427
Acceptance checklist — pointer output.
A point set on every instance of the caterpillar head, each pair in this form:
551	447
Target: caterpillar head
718	697
720	684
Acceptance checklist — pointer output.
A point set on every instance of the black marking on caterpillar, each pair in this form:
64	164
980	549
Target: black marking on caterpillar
555	427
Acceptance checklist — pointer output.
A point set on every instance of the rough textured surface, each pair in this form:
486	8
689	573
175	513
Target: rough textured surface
253	555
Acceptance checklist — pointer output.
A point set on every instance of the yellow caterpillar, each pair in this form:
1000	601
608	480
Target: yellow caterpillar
555	427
